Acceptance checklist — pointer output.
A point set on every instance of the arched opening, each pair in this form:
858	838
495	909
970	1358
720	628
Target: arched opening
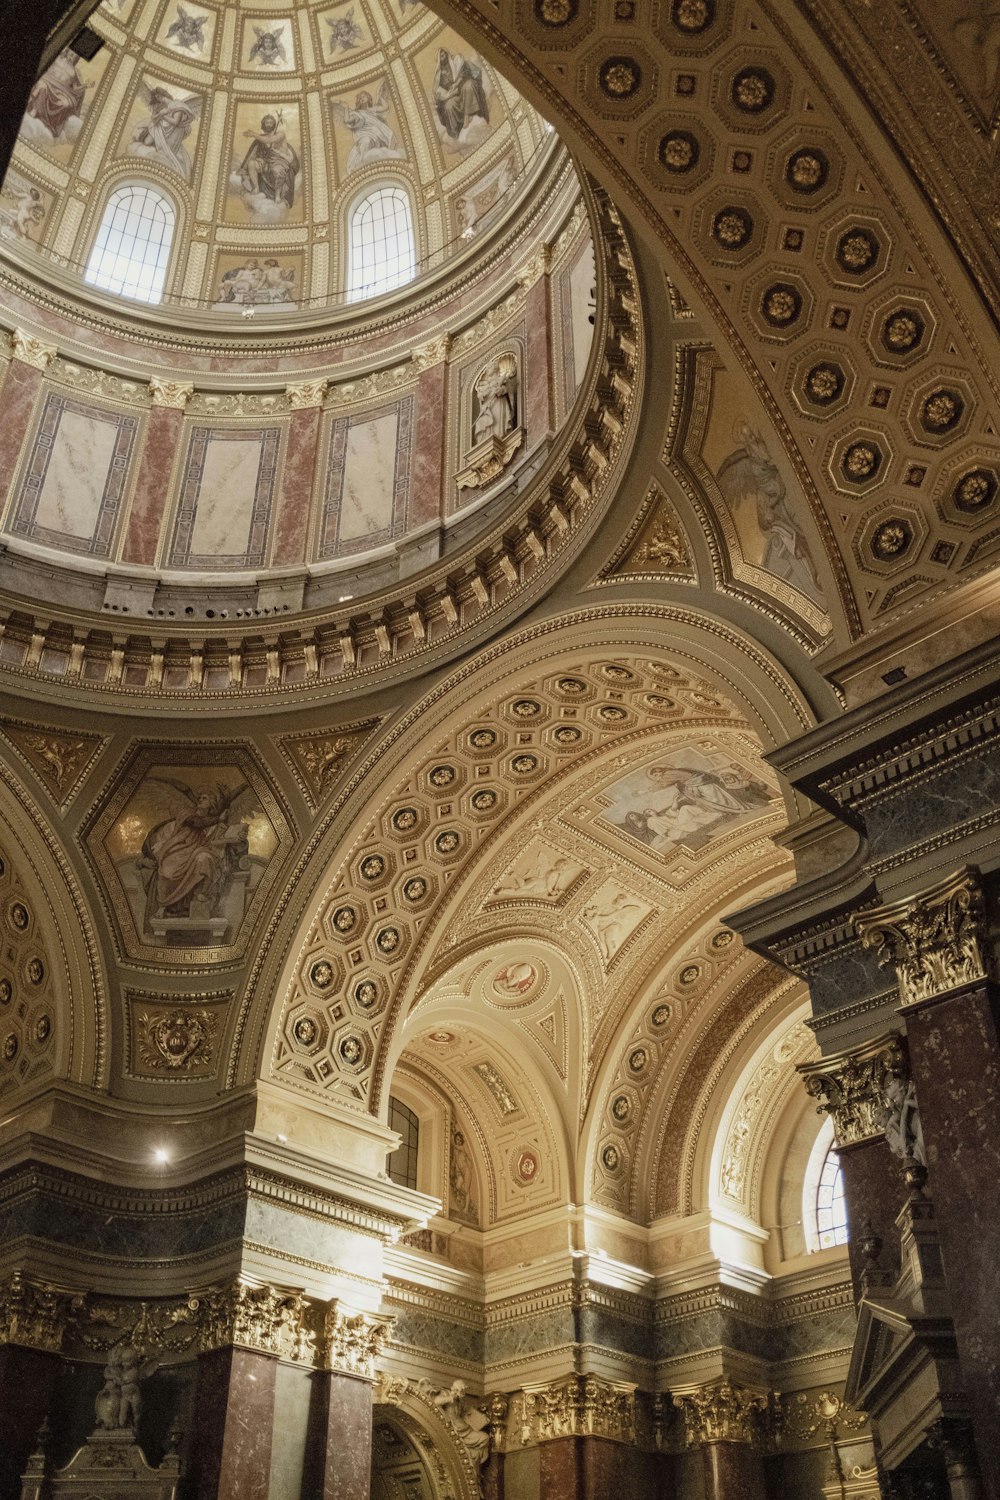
382	246
132	248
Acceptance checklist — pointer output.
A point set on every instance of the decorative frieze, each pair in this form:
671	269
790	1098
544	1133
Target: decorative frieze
852	1087
352	1341
722	1413
934	941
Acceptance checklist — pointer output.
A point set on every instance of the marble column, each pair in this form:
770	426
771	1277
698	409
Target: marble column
291	527
156	467
427	475
21	385
27	1382
234	1417
339	1448
938	943
536	414
849	1086
732	1469
723	1420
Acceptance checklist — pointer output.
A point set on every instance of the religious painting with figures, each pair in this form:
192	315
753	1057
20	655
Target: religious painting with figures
187	849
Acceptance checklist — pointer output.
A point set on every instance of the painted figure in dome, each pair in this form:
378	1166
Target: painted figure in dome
271	165
459	93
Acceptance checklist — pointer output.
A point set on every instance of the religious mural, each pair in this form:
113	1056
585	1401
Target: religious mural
265	180
186	847
686	798
188	30
460	92
366	128
60	100
344	32
268	46
267	281
612	916
23	208
163	126
540	873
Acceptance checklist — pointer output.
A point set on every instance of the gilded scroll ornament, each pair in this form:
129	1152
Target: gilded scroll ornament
721	1413
176	1040
851	1087
170	393
934	941
308	393
352	1341
31	351
262	1318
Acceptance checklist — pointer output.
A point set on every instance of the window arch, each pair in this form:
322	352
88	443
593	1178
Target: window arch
382	248
402	1165
824	1210
132	247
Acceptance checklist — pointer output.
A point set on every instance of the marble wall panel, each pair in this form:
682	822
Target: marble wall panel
576	300
227	498
368	475
75	477
418	1328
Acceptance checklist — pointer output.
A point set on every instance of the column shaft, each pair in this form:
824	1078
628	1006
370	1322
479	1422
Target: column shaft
733	1471
234	1413
339	1455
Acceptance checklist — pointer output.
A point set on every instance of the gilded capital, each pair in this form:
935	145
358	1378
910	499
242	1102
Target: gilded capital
170	393
262	1318
308	393
31	351
934	940
721	1413
35	1314
434	352
352	1341
851	1087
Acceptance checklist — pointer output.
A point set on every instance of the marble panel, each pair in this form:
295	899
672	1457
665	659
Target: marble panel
75	477
235	1418
292	523
21	384
226	501
416	1328
340	1438
577	301
368	472
952	793
874	1192
521	1337
149	502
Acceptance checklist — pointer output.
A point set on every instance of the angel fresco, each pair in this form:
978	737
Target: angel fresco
27	207
345	32
167	126
268	49
266	177
368	122
187	30
54	111
460	101
189	859
749	476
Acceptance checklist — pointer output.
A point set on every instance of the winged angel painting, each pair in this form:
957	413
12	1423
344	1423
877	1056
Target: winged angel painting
168	123
368	122
196	845
755	491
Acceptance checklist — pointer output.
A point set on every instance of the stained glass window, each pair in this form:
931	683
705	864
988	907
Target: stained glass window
403	1161
132	247
831	1211
382	253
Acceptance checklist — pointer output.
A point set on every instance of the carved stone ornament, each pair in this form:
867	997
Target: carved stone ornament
934	941
352	1341
721	1413
583	1405
434	352
487	460
308	393
31	351
851	1086
260	1318
35	1314
171	393
176	1040
663	550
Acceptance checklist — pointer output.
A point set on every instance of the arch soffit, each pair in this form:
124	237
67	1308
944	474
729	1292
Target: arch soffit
751	680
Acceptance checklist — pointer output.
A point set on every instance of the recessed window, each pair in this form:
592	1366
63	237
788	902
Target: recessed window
831	1210
382	250
403	1161
132	247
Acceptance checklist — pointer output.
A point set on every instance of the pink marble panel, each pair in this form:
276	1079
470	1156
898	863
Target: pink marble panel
149	503
536	410
20	391
292	520
426	489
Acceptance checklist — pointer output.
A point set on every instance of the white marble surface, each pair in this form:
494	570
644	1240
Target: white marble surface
369	477
70	497
581	283
224	511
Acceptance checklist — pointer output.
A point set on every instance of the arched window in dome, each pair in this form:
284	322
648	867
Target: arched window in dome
382	249
402	1166
824	1210
132	247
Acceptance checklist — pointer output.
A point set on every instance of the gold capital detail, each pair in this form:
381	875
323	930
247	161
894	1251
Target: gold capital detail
721	1413
35	1314
352	1341
434	352
308	393
31	351
171	393
934	940
262	1318
851	1085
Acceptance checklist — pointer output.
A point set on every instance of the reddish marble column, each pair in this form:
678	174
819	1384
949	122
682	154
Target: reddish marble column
595	1468
427	468
152	486
874	1191
19	393
27	1381
536	412
234	1417
733	1471
339	1454
291	529
954	1044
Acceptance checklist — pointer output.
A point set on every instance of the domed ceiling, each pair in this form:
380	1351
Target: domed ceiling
264	124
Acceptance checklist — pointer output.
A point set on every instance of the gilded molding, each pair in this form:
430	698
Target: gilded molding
310	393
582	1405
169	393
31	351
721	1413
353	1341
934	941
851	1086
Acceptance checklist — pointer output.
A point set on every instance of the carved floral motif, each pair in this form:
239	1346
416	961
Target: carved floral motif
721	1413
176	1040
852	1087
934	942
35	1314
258	1317
352	1341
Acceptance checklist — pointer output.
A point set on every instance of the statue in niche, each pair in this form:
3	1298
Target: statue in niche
901	1119
470	1423
119	1402
460	1179
494	400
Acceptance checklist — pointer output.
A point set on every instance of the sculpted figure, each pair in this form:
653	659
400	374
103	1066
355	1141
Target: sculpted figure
119	1402
903	1131
468	1420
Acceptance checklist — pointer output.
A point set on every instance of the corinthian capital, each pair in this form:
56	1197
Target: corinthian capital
353	1340
34	1314
934	940
851	1086
31	351
260	1318
721	1413
171	393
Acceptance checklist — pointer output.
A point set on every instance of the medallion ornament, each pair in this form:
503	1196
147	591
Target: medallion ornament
176	1040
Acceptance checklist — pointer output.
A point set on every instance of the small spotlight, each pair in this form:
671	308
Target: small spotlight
281	1138
161	1155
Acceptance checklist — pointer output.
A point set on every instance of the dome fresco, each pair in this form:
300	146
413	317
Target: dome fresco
261	128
